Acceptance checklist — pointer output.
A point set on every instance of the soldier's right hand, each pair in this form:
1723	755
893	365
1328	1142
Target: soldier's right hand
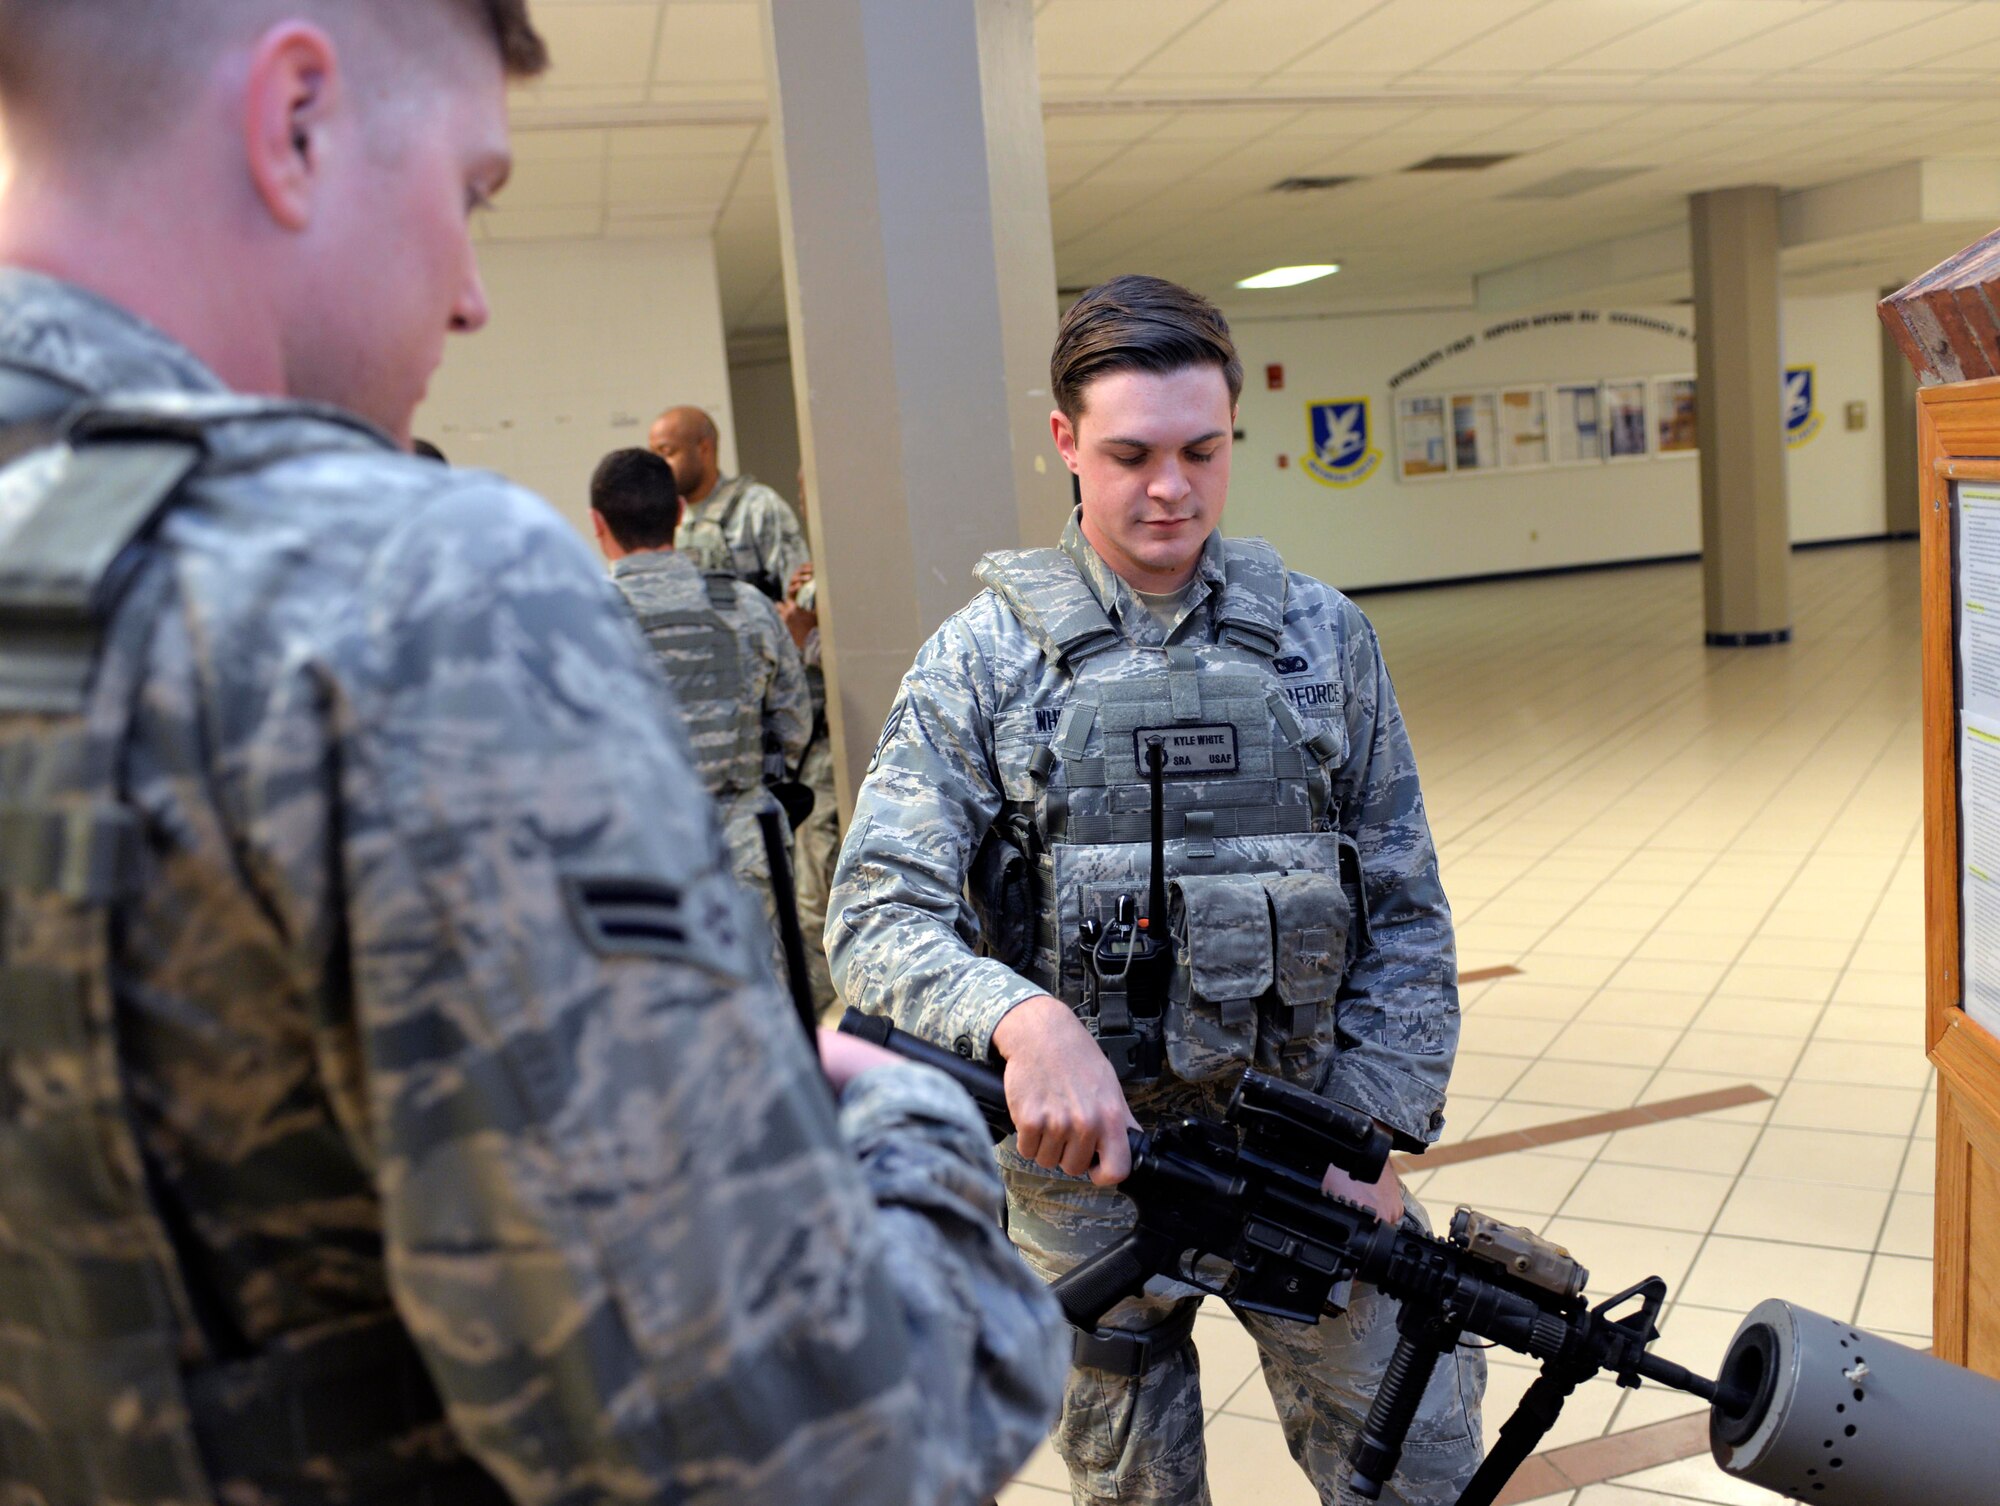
1069	1112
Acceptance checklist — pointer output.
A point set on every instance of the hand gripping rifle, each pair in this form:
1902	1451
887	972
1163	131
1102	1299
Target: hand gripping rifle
1807	1406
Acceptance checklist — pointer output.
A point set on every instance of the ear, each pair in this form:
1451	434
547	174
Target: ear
290	95
1065	436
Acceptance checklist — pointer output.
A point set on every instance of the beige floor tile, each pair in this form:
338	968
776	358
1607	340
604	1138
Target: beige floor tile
1867	1022
1524	1179
1462	1115
1808	1213
1919	1169
1587	1413
1617	1255
1585	941
1699	1144
1903	989
1538	1001
1565	968
1696	1479
1481	1076
1750	1016
1681	945
1633	1006
1837	1106
1752	1058
1898	1295
1021	1493
1650	1196
1620	1045
1865	1064
1802	1155
1912	1225
1228	1359
1810	985
1699	1337
1579	1086
1734	1275
1506	1035
1650	1403
1249	1465
1670	976
1043	1471
1784	952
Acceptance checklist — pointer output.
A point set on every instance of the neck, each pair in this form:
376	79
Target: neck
1135	574
147	251
706	490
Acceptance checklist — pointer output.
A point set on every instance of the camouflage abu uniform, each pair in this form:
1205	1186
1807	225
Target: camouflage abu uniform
762	532
818	836
741	689
991	725
437	1013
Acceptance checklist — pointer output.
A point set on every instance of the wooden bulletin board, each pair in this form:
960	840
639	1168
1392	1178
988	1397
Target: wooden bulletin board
1959	465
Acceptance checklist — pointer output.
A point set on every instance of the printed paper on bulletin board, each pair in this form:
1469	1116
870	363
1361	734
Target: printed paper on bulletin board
1978	593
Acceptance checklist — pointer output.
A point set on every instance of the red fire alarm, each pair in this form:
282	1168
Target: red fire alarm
1284	462
1274	377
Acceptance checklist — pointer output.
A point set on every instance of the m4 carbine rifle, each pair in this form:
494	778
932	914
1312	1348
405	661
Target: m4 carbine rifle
1235	1208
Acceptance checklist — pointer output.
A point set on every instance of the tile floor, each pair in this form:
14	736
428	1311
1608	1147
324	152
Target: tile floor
1708	865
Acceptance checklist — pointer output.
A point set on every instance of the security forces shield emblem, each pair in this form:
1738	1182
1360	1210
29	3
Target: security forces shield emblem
1802	419
1341	455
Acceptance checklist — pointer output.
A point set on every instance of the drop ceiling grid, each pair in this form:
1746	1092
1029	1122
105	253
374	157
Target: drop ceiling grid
1564	83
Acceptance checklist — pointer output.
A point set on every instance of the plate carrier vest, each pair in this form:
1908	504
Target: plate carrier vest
116	1389
1261	887
702	653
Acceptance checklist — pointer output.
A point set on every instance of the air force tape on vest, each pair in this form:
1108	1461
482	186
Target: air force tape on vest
1190	750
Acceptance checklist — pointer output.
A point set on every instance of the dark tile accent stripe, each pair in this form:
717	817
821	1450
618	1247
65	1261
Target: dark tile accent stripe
1488	974
1577	1129
1595	1460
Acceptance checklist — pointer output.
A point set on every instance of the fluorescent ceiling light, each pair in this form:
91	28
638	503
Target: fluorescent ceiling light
1290	277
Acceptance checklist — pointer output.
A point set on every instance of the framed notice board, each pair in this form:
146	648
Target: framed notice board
1959	484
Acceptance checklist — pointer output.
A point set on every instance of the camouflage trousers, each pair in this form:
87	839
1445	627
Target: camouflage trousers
748	861
1138	1440
818	839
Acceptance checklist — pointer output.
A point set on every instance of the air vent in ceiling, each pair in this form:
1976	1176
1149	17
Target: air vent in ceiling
1309	185
1578	180
1465	162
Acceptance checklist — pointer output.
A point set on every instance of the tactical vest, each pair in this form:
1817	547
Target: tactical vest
1261	888
702	652
747	565
113	1386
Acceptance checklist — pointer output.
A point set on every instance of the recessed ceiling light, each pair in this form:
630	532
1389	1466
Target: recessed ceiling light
1290	277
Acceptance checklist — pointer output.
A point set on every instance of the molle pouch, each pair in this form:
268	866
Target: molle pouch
1310	922
1001	887
1222	964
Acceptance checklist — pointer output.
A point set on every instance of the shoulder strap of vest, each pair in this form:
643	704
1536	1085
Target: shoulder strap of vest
80	507
721	587
32	405
1045	590
1252	614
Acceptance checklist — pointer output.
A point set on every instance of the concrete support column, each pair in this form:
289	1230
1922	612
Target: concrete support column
920	283
1899	436
1746	542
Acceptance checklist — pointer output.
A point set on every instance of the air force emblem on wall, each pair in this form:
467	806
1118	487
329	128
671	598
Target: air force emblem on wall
1802	418
1340	451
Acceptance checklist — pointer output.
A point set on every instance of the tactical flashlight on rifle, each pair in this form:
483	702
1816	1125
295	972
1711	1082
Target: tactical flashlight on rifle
1125	958
1811	1408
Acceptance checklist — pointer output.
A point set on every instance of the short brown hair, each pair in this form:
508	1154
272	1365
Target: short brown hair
522	49
1135	323
109	70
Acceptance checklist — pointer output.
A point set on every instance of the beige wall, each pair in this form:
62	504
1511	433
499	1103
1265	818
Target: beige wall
589	340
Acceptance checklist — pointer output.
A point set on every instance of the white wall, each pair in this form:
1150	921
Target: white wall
590	339
1835	478
1388	531
767	423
